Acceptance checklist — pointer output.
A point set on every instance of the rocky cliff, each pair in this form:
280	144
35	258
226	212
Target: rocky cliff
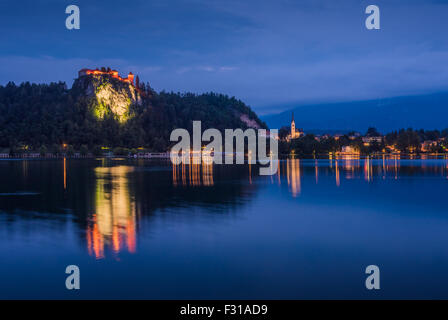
109	96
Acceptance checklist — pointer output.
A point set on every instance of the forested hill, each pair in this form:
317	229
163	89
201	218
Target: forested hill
101	111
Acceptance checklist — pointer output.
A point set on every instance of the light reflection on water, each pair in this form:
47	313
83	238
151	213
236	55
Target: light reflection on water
153	213
114	221
199	174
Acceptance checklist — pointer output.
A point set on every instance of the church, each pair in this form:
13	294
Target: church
295	133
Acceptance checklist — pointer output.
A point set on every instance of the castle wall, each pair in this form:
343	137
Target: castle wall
112	73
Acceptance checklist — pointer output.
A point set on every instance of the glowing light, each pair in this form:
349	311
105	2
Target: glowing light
338	181
65	174
199	174
114	221
294	176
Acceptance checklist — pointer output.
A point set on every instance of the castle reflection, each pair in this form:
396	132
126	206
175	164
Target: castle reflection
114	221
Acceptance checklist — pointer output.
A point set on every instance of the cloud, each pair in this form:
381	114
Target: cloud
228	68
206	68
403	71
265	52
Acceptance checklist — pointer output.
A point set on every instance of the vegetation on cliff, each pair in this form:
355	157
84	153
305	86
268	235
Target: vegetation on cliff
98	111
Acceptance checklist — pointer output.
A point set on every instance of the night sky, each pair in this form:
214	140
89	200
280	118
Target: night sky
270	54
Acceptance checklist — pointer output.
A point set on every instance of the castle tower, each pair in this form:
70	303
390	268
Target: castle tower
114	74
131	77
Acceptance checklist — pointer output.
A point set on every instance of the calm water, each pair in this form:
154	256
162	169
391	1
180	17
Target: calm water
142	229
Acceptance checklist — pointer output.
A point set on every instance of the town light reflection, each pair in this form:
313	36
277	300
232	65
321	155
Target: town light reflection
339	168
65	173
194	173
338	179
293	176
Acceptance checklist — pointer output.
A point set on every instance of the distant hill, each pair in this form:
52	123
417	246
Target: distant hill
422	111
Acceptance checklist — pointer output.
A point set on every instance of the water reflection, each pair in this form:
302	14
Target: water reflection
109	198
185	221
355	167
446	166
199	174
367	169
114	221
338	178
293	176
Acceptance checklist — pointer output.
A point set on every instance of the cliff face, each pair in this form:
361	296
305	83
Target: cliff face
109	96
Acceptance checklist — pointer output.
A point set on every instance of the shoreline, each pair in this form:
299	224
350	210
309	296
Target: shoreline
166	156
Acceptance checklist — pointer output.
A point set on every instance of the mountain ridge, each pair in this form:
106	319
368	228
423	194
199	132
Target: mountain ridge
427	111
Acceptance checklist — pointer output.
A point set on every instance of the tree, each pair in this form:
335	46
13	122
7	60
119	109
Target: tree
283	132
372	132
84	150
97	151
43	150
70	151
408	140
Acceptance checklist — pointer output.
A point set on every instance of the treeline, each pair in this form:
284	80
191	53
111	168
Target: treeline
43	117
403	140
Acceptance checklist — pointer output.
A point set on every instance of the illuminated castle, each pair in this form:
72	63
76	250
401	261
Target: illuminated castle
112	73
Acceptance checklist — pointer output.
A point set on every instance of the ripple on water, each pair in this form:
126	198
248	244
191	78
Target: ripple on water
7	194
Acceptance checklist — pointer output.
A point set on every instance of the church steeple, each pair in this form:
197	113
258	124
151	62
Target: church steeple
293	127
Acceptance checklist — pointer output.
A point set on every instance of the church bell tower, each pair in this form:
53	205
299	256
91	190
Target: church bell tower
293	127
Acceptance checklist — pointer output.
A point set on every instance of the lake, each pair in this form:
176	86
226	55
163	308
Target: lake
146	229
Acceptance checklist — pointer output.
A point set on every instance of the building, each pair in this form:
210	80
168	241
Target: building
369	140
337	136
320	137
349	150
392	149
109	72
354	136
295	133
427	145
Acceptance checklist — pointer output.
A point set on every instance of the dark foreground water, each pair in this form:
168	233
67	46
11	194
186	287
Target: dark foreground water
142	229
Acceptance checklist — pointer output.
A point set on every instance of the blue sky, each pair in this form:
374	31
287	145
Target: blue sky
271	54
